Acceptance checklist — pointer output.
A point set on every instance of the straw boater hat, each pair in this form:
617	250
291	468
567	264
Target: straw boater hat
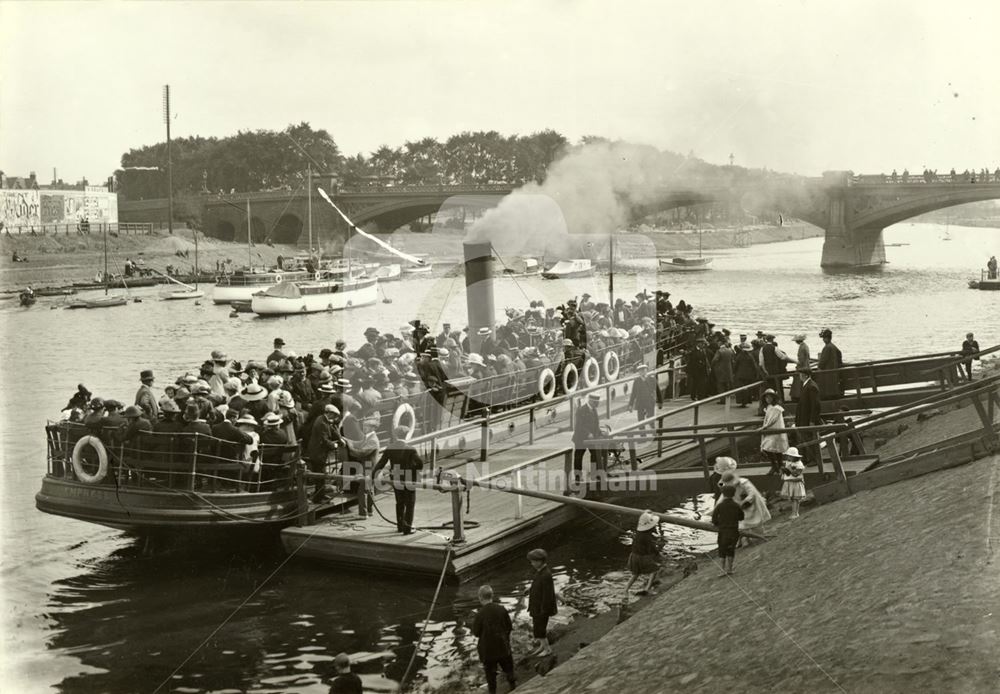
647	521
801	337
254	392
594	396
270	420
218	355
331	409
286	400
247	419
792	452
484	331
475	358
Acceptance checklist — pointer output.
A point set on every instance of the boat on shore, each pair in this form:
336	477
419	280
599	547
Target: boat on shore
566	269
685	264
330	290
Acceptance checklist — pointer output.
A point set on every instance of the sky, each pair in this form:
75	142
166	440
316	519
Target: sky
792	86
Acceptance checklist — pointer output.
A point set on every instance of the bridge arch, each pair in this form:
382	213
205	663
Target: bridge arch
225	231
891	212
287	229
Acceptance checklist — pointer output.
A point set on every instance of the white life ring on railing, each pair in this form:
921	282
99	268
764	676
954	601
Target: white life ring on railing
612	366
570	378
277	278
591	372
318	276
546	384
405	410
102	460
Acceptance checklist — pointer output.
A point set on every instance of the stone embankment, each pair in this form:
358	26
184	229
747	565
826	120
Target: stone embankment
892	590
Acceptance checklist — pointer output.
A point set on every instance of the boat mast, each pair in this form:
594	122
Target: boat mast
196	259
310	203
611	270
105	227
249	256
170	169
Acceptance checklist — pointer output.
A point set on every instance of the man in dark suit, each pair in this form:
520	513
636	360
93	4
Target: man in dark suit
587	425
324	439
404	471
807	413
231	439
643	395
969	347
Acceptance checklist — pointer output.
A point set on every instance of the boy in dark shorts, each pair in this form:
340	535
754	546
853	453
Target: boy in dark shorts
726	516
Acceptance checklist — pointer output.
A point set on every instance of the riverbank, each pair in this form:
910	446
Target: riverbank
889	590
803	556
62	260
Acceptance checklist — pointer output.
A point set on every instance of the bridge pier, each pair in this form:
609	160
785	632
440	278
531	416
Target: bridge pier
845	248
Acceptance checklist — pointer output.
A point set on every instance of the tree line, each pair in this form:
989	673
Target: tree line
261	160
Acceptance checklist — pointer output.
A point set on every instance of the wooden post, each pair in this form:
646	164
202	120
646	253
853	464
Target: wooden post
484	440
703	451
531	426
659	441
194	462
362	495
831	447
568	466
458	536
300	488
519	507
607	402
633	460
434	453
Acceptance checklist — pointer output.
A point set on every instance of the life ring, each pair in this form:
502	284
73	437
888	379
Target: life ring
318	276
102	460
546	384
277	278
612	365
591	372
570	378
405	410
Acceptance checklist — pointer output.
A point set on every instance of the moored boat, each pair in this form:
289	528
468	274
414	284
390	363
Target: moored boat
523	267
685	264
328	291
164	482
389	273
243	284
99	302
181	294
565	269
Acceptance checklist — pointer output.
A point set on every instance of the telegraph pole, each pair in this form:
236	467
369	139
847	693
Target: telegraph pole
170	171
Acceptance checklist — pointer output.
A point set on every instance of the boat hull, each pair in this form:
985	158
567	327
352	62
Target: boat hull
225	292
567	275
146	510
417	270
671	266
985	285
181	295
362	293
107	302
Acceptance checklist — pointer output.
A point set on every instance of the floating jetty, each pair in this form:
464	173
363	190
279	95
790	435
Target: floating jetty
471	518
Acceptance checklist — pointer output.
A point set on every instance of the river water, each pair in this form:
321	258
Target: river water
84	610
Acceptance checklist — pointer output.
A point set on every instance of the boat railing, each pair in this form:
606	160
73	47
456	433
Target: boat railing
171	461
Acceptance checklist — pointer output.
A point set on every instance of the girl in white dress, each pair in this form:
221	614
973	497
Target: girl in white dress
793	486
773	446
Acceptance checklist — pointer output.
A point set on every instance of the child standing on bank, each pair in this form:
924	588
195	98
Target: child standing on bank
793	486
541	601
726	516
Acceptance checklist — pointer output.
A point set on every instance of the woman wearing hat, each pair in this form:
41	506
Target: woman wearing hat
793	486
749	498
773	446
645	555
541	601
830	358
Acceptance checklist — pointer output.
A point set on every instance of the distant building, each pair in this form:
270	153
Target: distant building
26	205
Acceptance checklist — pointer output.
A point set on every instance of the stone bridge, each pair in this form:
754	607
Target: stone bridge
284	217
853	210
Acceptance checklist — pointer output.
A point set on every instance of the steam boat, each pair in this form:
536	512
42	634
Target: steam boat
243	284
